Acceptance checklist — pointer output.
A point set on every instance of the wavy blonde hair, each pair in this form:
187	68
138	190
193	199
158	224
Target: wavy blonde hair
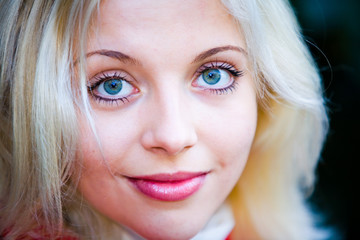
38	121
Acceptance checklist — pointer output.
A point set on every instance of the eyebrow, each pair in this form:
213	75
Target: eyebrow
202	56
122	57
127	59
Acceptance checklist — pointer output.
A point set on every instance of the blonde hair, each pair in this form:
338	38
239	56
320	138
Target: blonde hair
38	114
38	121
291	128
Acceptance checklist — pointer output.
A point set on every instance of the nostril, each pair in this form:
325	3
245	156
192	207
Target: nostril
170	148
158	150
169	128
171	143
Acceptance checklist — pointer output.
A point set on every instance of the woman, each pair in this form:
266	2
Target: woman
161	120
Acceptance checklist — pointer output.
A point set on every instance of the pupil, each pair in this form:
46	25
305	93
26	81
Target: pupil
211	76
113	86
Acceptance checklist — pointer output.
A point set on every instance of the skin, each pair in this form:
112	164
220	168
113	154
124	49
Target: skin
169	123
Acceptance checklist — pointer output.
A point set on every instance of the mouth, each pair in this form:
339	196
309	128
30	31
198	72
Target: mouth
169	187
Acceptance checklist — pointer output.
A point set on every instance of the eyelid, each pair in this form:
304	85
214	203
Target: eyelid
109	101
231	70
105	75
225	65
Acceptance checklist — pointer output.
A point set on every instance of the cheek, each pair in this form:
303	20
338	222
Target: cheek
92	161
97	183
234	147
89	151
114	135
230	136
232	132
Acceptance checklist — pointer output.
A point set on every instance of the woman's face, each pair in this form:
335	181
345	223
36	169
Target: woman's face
175	112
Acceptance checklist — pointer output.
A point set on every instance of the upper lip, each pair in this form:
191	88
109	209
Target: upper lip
169	177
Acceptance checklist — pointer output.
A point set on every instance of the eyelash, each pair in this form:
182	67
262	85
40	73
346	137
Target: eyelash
102	78
97	80
223	66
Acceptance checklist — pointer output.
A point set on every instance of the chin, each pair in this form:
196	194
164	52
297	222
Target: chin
181	234
173	231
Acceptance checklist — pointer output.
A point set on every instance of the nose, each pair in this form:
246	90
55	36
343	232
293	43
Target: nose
169	124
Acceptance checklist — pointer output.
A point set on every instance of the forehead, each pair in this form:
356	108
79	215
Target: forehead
149	12
165	23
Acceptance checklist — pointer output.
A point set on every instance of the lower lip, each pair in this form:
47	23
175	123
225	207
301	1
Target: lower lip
169	190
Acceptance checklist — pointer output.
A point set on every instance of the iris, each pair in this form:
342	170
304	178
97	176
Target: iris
113	86
211	76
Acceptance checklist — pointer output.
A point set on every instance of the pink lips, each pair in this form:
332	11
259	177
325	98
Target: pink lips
169	187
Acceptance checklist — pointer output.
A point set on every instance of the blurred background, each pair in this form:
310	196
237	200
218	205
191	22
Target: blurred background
332	30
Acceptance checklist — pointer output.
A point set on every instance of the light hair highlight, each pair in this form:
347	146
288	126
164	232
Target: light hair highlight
36	80
270	196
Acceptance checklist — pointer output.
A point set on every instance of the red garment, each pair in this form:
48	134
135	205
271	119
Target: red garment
72	238
34	235
29	237
40	238
228	237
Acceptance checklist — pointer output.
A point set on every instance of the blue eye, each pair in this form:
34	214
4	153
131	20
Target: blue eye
211	76
114	89
113	86
214	79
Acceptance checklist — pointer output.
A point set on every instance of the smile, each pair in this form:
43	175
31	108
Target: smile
169	187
